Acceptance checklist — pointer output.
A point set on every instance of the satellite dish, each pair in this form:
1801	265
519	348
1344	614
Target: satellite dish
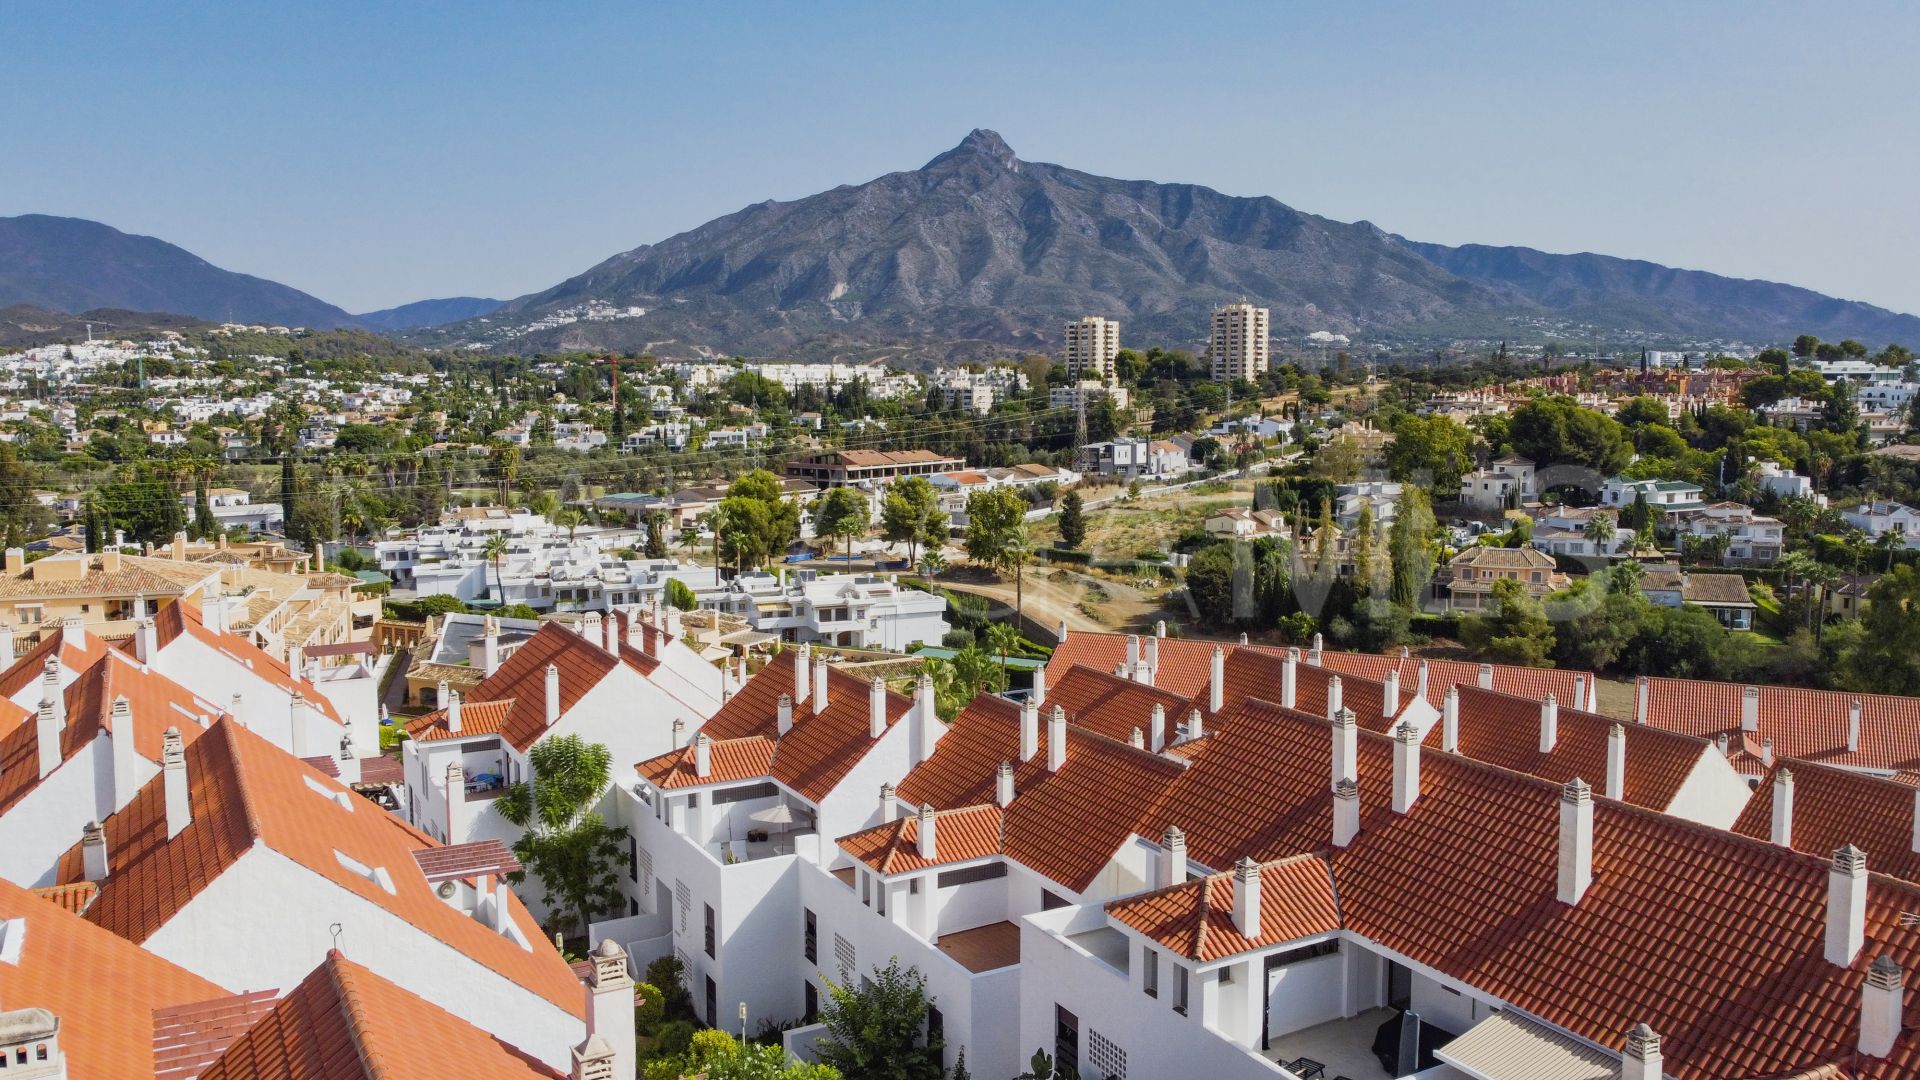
446	890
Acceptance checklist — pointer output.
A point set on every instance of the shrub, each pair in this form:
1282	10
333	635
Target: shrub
671	1039
651	1010
957	638
670	975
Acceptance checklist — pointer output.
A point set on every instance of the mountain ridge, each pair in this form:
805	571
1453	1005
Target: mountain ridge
429	313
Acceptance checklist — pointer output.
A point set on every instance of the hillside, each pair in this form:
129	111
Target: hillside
23	326
71	265
423	313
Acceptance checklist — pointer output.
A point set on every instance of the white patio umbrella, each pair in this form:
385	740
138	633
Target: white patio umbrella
779	814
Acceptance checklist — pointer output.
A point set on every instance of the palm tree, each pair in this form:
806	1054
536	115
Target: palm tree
496	553
1888	542
1797	566
570	520
1821	578
1002	638
1600	531
932	562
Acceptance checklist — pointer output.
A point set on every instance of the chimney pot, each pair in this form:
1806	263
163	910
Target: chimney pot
925	841
1160	628
784	714
1406	767
889	803
1346	812
1390	694
453	714
1576	841
1003	785
1150	666
1420	690
1345	746
1783	807
876	707
1290	679
1173	857
1766	751
1853	726
1157	727
1029	729
820	686
553	695
1616	761
801	661
1642	1058
1137	740
1334	695
47	735
1056	739
610	1048
1750	709
1196	726
1318	645
1549	724
702	755
1133	651
1217	680
173	771
1882	1006
1060	632
93	851
1846	905
1642	695
1450	720
1246	898
679	735
1039	695
1486	676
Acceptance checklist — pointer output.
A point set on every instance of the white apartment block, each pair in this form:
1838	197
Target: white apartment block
857	611
1091	344
1237	346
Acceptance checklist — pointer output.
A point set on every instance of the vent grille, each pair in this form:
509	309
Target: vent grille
682	899
1105	1058
843	955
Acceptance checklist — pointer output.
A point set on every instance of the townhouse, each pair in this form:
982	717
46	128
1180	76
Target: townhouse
1754	725
856	611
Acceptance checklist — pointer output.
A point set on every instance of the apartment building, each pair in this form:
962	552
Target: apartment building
1237	345
855	611
104	591
1752	539
1091	344
1474	571
840	468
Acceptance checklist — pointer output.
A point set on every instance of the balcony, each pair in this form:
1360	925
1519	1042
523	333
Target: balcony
1342	1047
983	948
803	842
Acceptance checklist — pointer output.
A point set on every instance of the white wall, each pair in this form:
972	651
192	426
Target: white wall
1307	993
1713	793
47	820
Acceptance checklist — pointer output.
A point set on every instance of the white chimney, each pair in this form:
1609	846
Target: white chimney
47	735
1642	1058
1346	812
1916	820
590	627
1576	840
1290	679
889	803
1486	676
1056	739
1160	628
146	641
126	753
1766	751
1138	741
1750	709
1246	898
1450	720
820	686
610	1032
1580	693
553	695
1003	785
1133	651
440	694
297	724
679	733
702	755
1152	662
173	772
50	690
1390	694
1157	728
876	707
783	712
1406	767
1883	1000
1217	680
456	803
1314	657
1616	761
1039	695
1345	746
924	843
1642	693
926	718
296	661
1846	905
453	714
93	851
1549	724
1853	726
1196	726
1173	858
1783	806
1334	695
1060	632
6	644
801	661
613	632
490	646
1029	730
1420	688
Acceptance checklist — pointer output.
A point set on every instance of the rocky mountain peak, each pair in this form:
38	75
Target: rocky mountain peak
981	145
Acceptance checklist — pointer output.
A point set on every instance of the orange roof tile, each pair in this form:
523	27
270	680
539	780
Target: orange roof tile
75	651
961	835
1258	674
1803	723
183	617
243	790
522	680
476	718
74	897
1103	702
188	1038
1194	919
344	1021
729	761
1834	806
1504	730
822	747
101	987
1185	663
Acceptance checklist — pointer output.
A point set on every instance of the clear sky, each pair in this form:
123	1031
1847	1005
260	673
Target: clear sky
377	153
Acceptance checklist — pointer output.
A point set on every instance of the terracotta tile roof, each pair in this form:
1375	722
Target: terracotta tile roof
343	1021
183	617
155	701
381	769
822	748
1528	682
1803	723
476	718
101	987
1104	788
1713	939
1832	807
74	897
244	790
76	652
961	835
730	761
325	764
155	578
1185	663
1500	558
1194	919
188	1038
522	680
1103	702
1258	674
1504	730
1720	589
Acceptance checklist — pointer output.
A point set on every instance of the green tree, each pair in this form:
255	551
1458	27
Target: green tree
1435	451
997	536
1556	431
656	534
841	512
755	521
680	595
1604	614
495	552
1002	639
911	503
575	853
1365	537
1599	531
1339	461
1887	657
716	1055
1073	521
1514	630
1410	548
877	1032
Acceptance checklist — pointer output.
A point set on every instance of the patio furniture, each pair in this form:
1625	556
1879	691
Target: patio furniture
1306	1068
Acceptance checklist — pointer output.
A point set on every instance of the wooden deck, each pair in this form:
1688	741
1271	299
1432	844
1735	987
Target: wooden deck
984	948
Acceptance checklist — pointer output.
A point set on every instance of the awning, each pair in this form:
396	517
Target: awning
1506	1046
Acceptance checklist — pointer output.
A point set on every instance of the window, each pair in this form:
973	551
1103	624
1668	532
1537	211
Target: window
633	859
812	998
743	794
1226	976
1180	984
812	938
969	874
709	935
1150	970
1049	901
713	1003
1066	1043
866	888
936	1026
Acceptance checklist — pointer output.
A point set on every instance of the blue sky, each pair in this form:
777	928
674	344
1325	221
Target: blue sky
374	154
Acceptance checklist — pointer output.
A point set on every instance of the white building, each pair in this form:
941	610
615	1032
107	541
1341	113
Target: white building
1237	346
857	611
1506	482
1752	539
1135	459
1877	519
1091	344
235	507
1664	496
1785	483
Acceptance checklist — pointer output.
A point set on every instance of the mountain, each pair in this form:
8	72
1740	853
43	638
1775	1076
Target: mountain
1659	299
423	313
71	264
979	252
23	326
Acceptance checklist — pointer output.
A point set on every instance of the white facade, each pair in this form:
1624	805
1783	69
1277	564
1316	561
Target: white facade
1237	347
859	611
1879	518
